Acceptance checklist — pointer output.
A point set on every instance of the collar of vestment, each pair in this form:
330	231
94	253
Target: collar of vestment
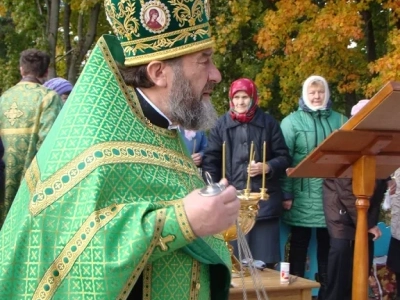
153	113
30	78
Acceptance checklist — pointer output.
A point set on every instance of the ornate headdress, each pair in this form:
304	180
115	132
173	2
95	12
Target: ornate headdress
159	29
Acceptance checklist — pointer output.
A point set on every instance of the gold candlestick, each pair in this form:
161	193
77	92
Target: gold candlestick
263	190
223	160
247	190
263	168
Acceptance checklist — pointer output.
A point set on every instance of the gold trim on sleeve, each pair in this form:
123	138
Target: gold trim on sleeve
183	222
61	266
160	221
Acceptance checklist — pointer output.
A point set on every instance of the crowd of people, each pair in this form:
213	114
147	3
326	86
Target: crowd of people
109	179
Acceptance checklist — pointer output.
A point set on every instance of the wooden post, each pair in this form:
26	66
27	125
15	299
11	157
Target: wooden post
364	176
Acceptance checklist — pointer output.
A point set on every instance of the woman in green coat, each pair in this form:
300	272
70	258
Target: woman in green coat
304	130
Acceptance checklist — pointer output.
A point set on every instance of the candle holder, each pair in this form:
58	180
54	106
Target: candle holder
247	218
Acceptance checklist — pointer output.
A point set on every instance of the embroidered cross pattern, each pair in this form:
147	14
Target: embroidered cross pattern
162	242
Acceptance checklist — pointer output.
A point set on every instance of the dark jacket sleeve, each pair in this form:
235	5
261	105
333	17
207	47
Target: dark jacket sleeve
280	152
348	200
212	159
344	187
289	134
375	202
2	173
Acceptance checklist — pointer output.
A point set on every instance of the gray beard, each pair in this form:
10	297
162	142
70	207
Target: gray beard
187	109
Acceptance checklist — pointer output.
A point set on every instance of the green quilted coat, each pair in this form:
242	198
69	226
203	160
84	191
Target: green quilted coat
304	131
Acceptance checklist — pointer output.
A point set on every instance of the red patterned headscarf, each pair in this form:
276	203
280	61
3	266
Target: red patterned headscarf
248	86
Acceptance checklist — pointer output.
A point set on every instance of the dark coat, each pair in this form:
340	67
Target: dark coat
238	137
2	173
340	207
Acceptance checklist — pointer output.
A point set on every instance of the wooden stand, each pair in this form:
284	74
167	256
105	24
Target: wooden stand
366	148
298	290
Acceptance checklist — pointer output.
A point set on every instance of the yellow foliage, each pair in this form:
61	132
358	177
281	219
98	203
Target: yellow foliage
3	10
79	5
314	41
226	30
387	68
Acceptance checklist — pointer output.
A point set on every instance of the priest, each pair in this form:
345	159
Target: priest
110	207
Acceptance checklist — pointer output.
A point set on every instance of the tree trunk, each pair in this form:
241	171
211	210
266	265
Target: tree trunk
67	37
369	35
52	35
84	43
350	101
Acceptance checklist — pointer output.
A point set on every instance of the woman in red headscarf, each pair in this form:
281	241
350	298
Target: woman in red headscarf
243	124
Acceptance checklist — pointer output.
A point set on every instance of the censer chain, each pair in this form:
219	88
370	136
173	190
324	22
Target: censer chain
245	253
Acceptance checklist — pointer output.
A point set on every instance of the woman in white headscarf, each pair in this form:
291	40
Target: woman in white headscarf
304	130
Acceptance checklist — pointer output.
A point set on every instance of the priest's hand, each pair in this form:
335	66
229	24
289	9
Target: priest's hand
212	215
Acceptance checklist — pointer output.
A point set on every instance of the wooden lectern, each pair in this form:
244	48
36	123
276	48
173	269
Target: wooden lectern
365	148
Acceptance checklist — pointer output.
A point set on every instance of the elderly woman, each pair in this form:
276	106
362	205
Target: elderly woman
304	130
243	124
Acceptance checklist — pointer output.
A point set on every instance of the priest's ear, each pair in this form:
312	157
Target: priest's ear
160	73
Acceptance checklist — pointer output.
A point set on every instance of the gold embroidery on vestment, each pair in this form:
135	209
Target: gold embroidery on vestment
32	176
13	113
195	281
50	190
11	131
61	266
159	225
147	282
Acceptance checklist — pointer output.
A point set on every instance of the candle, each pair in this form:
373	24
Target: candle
264	164
194	146
223	160
248	172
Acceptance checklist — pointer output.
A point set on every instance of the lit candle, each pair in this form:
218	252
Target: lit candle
248	172
223	160
264	164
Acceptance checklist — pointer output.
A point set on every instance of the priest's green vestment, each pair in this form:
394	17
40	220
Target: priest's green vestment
101	204
27	112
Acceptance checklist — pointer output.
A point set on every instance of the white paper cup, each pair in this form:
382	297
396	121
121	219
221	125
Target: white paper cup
285	266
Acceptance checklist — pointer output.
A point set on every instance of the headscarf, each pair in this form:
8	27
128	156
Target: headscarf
248	86
306	84
360	104
60	85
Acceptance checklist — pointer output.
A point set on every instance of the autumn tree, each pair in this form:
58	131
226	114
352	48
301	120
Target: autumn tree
335	39
65	29
83	22
234	25
387	67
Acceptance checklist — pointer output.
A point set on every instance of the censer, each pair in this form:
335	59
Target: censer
245	222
